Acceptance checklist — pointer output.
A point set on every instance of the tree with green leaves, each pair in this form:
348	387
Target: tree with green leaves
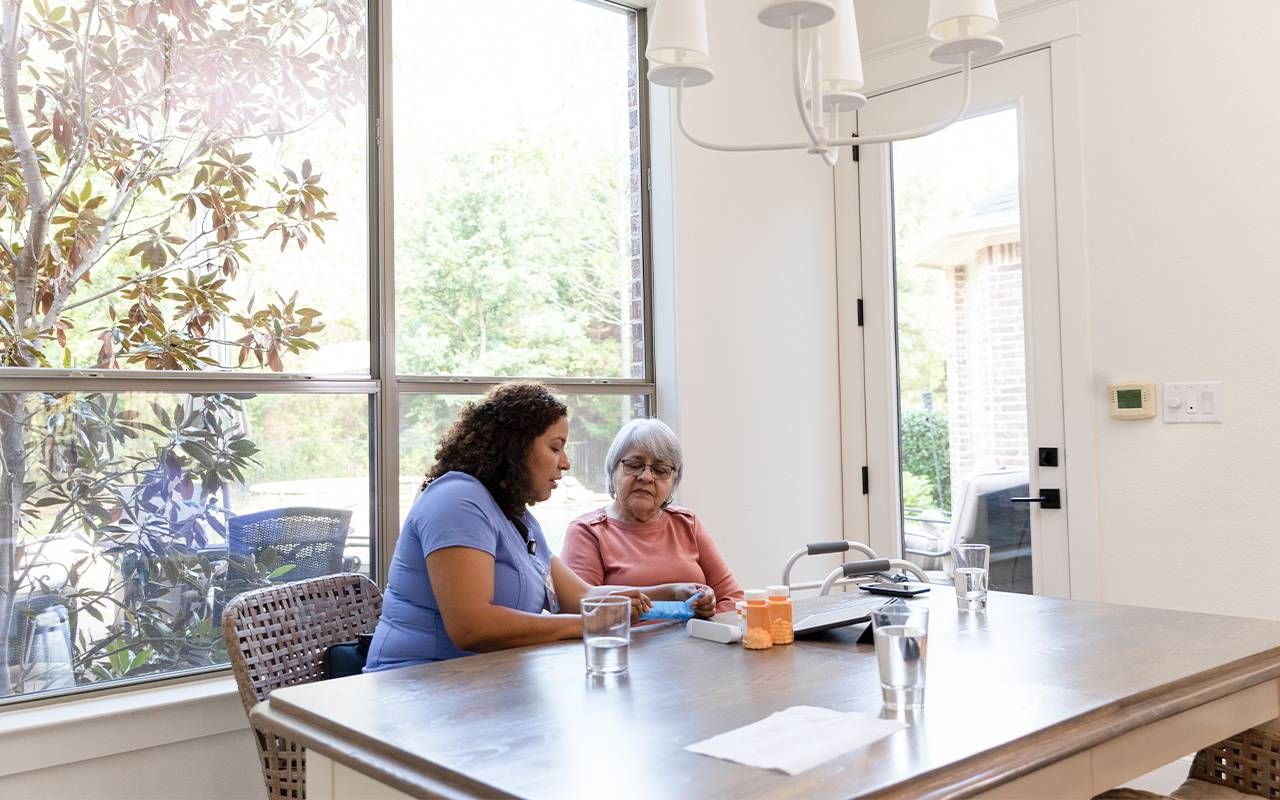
514	265
501	275
130	200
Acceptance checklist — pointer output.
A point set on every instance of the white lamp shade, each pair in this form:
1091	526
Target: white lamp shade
841	55
678	35
961	19
782	13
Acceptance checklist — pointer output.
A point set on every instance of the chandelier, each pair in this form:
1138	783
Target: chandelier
826	68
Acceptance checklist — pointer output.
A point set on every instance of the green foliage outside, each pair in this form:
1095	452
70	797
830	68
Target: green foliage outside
513	264
917	491
926	459
502	275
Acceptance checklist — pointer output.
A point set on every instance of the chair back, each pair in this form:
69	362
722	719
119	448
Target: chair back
311	539
988	516
277	637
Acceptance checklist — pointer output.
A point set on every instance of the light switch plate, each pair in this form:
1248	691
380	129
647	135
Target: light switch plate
1192	402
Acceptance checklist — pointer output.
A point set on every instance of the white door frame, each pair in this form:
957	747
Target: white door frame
869	410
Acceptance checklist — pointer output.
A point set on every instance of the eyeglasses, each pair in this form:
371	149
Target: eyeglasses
660	471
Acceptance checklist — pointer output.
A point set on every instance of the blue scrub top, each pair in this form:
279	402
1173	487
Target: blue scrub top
456	510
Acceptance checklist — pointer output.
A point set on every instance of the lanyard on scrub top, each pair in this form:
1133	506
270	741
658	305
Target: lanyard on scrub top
551	603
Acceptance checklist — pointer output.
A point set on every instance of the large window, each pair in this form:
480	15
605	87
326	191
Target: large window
207	383
519	235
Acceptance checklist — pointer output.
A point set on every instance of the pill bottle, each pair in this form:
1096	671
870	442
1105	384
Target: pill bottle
758	636
780	615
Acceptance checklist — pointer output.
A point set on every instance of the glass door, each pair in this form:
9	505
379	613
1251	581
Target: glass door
960	259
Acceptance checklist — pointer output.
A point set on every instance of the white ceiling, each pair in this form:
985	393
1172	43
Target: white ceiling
882	22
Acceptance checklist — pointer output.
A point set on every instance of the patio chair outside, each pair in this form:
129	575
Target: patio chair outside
309	538
984	515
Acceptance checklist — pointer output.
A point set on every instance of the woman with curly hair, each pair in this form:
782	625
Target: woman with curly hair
472	571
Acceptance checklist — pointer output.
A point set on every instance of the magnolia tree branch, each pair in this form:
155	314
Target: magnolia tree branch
177	266
82	129
67	286
284	132
24	283
132	184
181	261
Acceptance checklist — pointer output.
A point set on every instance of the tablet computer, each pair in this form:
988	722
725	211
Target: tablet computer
895	589
846	610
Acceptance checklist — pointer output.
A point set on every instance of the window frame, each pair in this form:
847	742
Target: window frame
383	385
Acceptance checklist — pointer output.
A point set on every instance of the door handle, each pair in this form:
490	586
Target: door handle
1049	498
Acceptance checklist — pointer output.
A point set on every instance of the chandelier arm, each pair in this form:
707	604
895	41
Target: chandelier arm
916	133
727	148
796	88
831	155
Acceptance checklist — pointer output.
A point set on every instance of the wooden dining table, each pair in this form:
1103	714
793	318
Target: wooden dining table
1037	697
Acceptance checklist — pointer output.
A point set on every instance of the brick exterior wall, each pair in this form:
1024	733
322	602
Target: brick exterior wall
987	394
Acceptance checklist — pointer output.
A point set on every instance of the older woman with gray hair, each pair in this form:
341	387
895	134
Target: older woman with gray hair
641	539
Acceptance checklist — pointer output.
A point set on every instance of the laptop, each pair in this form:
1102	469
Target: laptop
835	611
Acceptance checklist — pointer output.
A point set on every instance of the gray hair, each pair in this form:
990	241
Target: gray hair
651	436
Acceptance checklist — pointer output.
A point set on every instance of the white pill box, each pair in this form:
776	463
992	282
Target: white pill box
714	631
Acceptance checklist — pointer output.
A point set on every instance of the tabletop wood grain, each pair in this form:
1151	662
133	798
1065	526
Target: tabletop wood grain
1030	682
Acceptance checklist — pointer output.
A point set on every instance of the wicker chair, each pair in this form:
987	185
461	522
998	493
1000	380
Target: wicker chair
277	637
1246	765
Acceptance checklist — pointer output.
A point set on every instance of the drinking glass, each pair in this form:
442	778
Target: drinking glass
902	644
606	633
970	563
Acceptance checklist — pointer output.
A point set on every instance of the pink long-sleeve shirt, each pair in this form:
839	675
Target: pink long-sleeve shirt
674	548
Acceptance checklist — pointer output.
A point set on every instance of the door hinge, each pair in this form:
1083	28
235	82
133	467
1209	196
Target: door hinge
854	150
859	312
866	484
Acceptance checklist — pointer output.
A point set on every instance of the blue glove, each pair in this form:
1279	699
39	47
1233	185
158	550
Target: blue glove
678	610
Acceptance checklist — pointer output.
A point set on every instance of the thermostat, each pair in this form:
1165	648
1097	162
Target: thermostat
1132	400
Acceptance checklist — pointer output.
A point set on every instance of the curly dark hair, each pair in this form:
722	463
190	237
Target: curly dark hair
490	441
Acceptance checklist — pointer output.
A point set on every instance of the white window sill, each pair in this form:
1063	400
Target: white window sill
94	727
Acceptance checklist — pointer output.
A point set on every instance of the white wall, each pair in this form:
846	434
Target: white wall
171	740
1181	108
746	281
222	767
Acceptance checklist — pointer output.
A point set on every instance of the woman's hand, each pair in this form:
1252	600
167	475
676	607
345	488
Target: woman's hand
640	601
705	606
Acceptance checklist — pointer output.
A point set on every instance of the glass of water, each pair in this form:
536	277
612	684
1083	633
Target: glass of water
606	633
902	644
971	562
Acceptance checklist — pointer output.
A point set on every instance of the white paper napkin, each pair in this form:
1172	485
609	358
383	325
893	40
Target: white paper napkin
797	739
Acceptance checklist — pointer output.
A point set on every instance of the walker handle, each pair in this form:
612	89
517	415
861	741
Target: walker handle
854	569
823	548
